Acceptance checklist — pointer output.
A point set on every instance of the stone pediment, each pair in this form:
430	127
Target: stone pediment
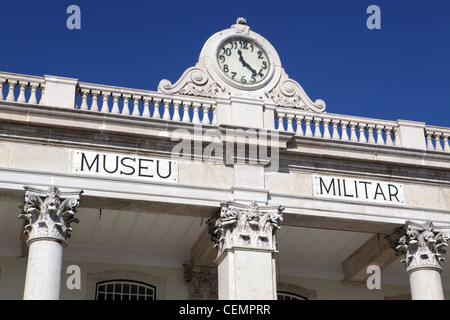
240	62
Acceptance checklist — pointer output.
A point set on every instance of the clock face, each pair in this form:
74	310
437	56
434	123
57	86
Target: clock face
243	61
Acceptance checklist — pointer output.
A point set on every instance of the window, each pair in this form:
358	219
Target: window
124	290
289	296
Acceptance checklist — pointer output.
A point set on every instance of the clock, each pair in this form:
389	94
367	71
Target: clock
243	61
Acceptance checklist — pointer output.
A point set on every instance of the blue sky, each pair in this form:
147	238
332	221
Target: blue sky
401	71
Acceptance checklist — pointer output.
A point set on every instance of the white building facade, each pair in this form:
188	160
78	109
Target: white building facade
230	183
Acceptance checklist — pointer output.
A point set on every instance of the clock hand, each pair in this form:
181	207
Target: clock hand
245	64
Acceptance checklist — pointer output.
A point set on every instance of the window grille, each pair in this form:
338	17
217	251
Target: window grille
289	296
124	290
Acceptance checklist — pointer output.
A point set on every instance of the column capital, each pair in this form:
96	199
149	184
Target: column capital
48	214
246	226
422	245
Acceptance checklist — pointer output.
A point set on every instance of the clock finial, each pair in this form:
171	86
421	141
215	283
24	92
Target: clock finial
242	21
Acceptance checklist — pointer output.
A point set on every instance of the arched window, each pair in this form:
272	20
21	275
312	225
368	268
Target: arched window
124	284
288	291
124	290
289	296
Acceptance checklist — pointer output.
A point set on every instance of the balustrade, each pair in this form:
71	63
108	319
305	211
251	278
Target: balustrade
20	88
200	110
337	127
147	104
437	138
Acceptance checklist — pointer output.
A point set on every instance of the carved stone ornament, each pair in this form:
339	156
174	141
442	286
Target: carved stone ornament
248	226
48	213
195	81
201	282
422	246
288	93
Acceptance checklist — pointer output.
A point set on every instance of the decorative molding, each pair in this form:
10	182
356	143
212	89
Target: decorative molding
422	245
49	213
289	93
195	81
202	282
245	226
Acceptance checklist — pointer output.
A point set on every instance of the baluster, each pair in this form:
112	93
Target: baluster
371	138
126	104
176	110
94	105
344	135
362	136
105	98
11	87
446	143
195	117
397	142
2	82
389	141
289	118
308	131
205	108
429	142
437	141
156	114
353	132
326	129
146	111
214	118
335	134
317	133
186	106
22	86
136	100
380	134
298	120
166	115
115	108
280	121
34	86
42	100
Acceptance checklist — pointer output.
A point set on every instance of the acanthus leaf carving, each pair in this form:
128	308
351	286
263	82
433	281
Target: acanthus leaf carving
289	93
422	246
250	226
194	81
49	213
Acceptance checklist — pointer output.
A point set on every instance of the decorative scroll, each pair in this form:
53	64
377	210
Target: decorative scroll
201	282
422	246
238	225
49	213
288	93
195	81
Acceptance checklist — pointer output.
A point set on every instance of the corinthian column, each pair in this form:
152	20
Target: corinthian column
245	238
423	247
48	214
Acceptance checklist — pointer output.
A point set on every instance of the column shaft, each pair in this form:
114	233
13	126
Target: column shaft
247	275
426	285
43	279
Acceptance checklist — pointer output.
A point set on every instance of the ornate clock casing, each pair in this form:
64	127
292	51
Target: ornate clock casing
240	62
